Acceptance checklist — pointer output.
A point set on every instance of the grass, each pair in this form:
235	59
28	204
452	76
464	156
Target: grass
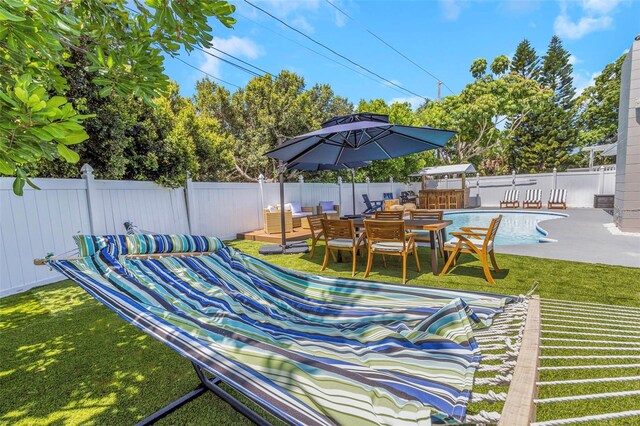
66	359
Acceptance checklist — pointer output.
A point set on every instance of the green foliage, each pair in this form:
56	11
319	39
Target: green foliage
124	52
525	61
500	65
478	68
486	114
547	138
598	107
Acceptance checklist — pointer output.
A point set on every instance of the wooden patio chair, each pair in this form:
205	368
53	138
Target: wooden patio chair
474	240
340	234
532	199
510	200
390	214
316	229
388	237
557	199
424	236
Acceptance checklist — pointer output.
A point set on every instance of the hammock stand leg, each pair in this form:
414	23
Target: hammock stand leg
206	384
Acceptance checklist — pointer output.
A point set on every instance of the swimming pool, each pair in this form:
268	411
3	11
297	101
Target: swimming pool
517	227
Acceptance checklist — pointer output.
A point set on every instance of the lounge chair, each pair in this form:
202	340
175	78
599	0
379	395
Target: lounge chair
272	220
298	214
297	345
371	205
387	196
388	238
510	200
330	209
474	240
557	199
408	197
532	199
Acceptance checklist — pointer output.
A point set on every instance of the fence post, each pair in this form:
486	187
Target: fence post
301	182
340	194
92	197
188	193
368	181
601	181
478	200
391	185
446	181
513	179
555	178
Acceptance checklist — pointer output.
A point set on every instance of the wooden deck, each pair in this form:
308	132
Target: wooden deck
298	234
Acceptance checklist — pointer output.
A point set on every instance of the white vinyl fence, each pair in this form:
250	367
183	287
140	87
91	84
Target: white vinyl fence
44	221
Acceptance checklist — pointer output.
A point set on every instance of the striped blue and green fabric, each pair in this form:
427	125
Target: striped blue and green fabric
313	350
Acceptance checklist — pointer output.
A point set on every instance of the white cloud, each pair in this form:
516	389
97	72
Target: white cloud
566	28
340	20
596	15
599	7
450	9
574	60
236	46
415	101
302	24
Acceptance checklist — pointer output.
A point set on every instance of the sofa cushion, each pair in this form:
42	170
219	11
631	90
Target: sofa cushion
272	209
295	207
326	206
301	214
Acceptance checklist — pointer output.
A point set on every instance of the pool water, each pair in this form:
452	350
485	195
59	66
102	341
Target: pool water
516	227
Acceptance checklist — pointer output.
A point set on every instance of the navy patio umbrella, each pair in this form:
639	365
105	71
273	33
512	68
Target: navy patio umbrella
352	138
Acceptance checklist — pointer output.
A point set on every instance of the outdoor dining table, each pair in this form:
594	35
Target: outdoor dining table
431	225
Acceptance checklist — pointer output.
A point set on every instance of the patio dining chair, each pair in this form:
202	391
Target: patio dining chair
317	232
389	214
340	235
371	205
532	199
510	200
423	235
474	240
557	199
388	237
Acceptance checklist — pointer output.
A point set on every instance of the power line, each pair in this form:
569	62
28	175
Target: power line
240	60
389	46
318	53
233	64
333	51
205	73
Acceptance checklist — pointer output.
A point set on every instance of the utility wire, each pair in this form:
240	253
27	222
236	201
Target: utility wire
233	64
318	53
333	51
205	73
388	45
240	60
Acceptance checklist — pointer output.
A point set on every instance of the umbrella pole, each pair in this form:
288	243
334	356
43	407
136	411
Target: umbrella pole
353	189
282	215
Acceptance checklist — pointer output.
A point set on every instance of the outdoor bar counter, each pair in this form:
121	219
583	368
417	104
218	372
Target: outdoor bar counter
443	198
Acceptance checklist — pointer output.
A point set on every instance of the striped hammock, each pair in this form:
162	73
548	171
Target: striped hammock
313	350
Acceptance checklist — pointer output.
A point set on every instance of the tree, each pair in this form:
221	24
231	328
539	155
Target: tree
500	65
124	50
486	114
525	61
598	107
478	68
550	135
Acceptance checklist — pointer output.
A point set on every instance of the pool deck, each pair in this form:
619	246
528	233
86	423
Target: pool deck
582	237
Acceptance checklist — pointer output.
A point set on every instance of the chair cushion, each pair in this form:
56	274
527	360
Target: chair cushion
272	209
327	206
476	241
341	242
329	211
301	214
387	246
295	207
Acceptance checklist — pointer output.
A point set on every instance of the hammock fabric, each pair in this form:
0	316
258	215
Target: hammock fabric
313	350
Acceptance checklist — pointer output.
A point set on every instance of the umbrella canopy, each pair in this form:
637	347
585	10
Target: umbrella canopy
359	137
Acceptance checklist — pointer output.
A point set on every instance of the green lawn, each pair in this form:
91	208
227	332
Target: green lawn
66	359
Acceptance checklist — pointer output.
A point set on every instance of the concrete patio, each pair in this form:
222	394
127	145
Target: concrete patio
582	237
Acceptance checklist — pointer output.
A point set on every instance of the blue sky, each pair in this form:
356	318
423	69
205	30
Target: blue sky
442	36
